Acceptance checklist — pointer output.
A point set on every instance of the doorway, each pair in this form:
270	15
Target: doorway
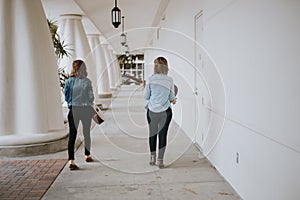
201	89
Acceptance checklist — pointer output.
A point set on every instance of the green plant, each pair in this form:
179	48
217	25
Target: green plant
60	47
63	76
61	50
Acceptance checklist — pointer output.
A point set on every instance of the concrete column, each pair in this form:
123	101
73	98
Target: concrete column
116	67
100	63
111	71
30	106
71	30
119	73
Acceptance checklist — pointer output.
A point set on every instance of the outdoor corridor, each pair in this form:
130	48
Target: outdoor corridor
121	170
235	127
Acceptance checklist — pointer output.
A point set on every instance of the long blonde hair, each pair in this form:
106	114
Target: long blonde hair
161	66
78	69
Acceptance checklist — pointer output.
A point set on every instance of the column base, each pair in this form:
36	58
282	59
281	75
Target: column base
105	95
36	149
103	103
35	144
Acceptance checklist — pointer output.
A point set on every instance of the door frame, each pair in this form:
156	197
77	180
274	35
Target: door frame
198	16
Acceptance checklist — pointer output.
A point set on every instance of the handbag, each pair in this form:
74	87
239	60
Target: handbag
97	117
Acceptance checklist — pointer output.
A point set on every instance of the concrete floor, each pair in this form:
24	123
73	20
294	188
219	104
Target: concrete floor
121	170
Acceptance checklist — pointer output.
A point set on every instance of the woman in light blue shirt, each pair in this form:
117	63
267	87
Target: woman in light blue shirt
80	97
159	92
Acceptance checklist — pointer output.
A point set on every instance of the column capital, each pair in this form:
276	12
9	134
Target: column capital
103	40
110	48
93	35
71	16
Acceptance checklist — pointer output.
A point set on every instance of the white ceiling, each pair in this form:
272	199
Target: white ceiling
140	18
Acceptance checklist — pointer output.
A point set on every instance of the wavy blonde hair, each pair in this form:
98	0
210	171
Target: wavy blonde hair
78	69
161	66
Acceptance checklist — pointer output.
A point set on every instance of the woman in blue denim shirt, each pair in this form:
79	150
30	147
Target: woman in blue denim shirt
80	97
159	92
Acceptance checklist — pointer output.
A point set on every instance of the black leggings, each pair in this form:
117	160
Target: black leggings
76	114
158	125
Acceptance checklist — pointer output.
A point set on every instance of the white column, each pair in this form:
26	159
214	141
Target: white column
116	68
100	64
111	72
72	33
30	106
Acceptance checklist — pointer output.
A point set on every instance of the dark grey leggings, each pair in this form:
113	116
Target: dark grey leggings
158	125
76	114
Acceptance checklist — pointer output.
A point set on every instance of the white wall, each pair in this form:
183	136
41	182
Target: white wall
254	46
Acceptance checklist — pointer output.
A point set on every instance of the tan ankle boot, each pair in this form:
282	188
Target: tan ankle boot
160	163
152	159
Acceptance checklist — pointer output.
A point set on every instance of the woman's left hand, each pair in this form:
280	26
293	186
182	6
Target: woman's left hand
174	101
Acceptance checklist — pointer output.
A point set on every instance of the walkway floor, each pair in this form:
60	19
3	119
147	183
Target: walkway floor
121	170
28	179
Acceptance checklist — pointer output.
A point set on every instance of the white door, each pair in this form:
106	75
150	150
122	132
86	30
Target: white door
201	89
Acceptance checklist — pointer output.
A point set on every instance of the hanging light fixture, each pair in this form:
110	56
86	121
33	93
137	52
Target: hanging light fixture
116	15
123	35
